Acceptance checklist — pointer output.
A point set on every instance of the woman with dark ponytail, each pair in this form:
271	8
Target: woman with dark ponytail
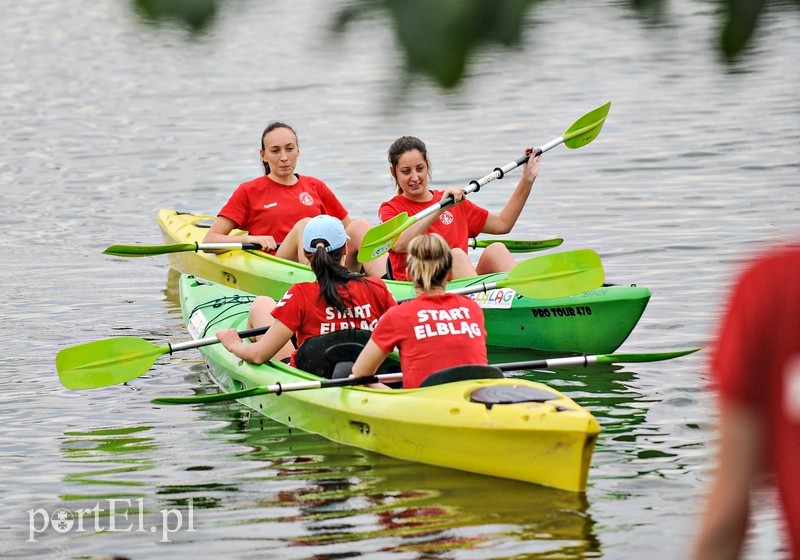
411	169
434	331
338	300
274	208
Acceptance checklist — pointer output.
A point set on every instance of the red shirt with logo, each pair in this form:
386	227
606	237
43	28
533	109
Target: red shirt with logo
433	332
756	364
264	207
305	311
456	224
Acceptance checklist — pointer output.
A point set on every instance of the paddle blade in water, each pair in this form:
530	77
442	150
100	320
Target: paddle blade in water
651	357
148	250
586	128
557	275
106	362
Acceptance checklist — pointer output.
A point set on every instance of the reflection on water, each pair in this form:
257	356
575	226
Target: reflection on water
117	453
342	496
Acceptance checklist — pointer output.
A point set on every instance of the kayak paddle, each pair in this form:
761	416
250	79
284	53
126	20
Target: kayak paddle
382	237
149	250
518	245
278	388
515	246
116	360
584	360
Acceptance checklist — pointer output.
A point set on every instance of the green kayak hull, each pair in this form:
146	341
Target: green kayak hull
548	443
594	322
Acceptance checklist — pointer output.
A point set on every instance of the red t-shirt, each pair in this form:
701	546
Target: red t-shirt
306	312
456	224
756	363
264	207
433	332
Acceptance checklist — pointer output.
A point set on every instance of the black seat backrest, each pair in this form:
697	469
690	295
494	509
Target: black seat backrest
462	373
320	355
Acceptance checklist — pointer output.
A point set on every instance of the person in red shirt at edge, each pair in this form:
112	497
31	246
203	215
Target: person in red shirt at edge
411	169
338	300
433	331
755	366
275	207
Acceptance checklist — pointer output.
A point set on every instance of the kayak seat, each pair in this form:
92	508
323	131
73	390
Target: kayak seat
462	373
331	355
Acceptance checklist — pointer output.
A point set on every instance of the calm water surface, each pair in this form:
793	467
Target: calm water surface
106	121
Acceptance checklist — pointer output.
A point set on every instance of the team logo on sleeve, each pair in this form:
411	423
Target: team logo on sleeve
306	199
446	217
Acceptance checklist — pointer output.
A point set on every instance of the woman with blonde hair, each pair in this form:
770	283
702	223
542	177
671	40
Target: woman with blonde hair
435	330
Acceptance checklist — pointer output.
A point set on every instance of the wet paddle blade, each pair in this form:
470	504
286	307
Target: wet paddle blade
636	358
519	245
382	237
557	275
586	128
148	250
106	362
214	398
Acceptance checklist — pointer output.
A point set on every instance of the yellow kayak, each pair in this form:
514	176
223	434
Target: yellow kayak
545	438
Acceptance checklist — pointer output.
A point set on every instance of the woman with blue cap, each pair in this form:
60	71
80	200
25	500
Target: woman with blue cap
338	300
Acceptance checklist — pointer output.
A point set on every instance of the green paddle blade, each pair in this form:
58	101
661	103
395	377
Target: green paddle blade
382	237
586	128
557	275
519	245
106	362
148	250
636	358
213	398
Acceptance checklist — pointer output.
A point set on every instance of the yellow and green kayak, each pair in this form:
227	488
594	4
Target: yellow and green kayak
593	322
547	440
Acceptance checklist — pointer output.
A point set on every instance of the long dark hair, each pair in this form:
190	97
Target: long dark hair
270	127
331	274
406	144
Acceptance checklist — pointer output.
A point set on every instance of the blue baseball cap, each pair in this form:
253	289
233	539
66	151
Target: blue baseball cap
327	228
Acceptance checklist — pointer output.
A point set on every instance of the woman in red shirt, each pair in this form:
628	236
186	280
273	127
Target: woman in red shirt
433	331
275	208
338	300
411	169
